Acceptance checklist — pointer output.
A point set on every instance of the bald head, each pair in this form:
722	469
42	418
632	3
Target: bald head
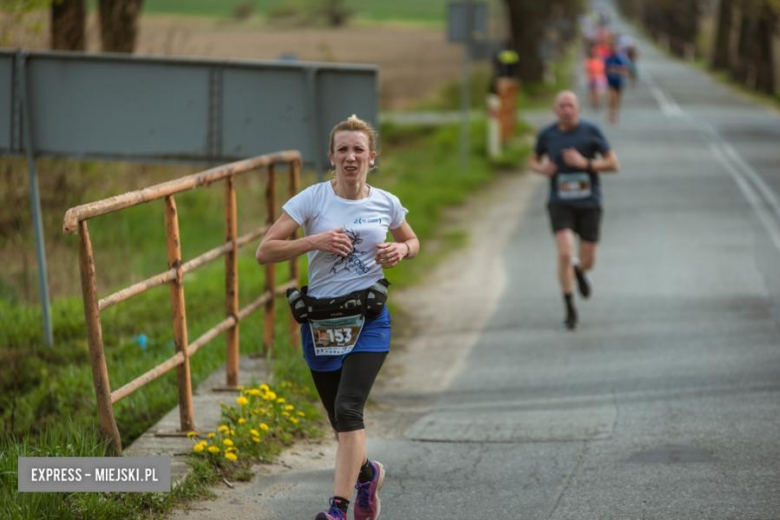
566	96
567	108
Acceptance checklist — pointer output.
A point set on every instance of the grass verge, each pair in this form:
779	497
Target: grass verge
429	11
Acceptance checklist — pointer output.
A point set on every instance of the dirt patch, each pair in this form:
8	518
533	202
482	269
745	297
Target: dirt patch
414	61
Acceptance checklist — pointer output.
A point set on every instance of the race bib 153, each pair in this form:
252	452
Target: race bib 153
336	336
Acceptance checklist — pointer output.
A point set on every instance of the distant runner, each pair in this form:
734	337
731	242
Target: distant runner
597	80
566	152
617	69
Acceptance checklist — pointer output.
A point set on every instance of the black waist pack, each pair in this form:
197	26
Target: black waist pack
368	302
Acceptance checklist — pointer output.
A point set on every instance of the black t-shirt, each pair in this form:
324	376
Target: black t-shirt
572	186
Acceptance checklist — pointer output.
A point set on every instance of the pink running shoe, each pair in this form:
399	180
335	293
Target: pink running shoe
367	504
334	513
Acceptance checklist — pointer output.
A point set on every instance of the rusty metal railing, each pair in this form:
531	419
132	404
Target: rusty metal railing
76	222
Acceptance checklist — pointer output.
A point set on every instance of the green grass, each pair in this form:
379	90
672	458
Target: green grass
47	402
380	10
71	440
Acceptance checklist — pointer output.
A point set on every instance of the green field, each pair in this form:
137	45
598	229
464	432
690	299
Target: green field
381	10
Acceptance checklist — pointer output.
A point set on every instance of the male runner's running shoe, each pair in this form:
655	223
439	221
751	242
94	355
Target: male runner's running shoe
334	513
582	282
367	504
570	322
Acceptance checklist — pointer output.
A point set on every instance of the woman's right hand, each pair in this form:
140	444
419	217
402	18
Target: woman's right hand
335	241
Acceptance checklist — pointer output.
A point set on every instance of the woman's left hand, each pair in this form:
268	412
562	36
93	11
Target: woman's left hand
390	254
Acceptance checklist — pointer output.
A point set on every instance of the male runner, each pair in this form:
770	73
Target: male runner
566	152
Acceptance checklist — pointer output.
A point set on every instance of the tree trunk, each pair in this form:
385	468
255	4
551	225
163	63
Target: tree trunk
527	20
721	55
335	12
684	23
68	18
119	24
764	62
629	8
742	68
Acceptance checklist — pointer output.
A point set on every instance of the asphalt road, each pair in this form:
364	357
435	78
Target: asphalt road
665	403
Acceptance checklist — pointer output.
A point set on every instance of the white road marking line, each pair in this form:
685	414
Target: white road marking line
757	192
750	183
756	202
668	106
753	176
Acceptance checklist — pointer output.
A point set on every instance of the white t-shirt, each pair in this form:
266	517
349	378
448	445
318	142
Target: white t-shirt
366	221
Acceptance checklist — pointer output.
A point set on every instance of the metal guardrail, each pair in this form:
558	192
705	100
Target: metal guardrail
145	108
76	222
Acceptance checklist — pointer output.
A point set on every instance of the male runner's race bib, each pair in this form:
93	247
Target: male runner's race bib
574	186
336	336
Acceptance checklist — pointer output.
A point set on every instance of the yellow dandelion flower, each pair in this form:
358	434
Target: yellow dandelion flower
212	434
231	449
213	449
294	420
232	432
254	432
264	387
191	435
301	413
243	401
281	400
289	407
256	439
255	392
231	457
227	442
263	426
241	420
270	395
222	428
286	414
198	448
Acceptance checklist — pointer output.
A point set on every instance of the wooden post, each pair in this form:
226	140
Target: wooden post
95	337
270	201
179	314
293	188
508	89
231	282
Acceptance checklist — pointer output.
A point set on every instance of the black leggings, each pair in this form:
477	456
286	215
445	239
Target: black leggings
344	392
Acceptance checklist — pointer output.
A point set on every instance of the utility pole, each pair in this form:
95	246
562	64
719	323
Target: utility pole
465	89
